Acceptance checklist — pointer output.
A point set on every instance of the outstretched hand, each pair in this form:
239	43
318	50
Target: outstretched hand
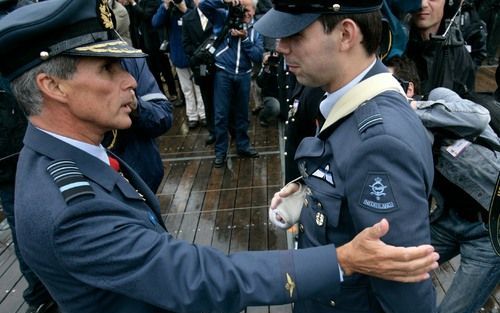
367	254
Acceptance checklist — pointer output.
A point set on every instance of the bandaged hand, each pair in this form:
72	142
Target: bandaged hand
286	205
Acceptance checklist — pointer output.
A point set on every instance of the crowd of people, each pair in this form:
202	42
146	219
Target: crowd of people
373	137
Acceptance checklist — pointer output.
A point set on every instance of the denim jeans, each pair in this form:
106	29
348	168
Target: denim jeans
35	293
479	270
232	93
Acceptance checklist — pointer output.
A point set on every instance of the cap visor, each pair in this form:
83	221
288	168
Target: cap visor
277	24
109	49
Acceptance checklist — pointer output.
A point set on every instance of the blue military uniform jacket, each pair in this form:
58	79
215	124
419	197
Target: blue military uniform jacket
98	244
374	163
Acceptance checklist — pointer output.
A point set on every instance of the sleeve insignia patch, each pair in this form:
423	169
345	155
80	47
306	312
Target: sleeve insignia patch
377	193
69	179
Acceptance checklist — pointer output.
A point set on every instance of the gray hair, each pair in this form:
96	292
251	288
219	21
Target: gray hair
26	90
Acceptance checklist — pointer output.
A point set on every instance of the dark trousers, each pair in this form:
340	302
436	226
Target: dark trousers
232	93
160	64
206	85
35	293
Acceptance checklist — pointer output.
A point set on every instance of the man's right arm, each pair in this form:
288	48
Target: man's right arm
368	254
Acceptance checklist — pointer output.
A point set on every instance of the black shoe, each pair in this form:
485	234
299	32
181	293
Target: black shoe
210	139
219	161
48	307
203	122
192	124
249	153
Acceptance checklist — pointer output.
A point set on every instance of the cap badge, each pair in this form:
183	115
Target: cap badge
336	7
104	15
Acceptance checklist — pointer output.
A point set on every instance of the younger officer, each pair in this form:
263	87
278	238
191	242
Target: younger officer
97	240
371	158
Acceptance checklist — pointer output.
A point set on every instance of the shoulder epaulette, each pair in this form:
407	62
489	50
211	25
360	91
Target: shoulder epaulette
69	179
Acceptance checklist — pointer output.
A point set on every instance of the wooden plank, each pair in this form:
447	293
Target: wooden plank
9	280
14	301
206	224
224	218
241	221
179	202
258	230
189	225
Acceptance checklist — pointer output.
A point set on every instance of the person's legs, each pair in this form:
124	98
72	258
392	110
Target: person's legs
36	295
166	71
187	89
206	85
223	94
200	106
479	270
241	112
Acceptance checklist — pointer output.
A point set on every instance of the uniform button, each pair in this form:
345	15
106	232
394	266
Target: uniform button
293	120
320	219
306	203
319	205
286	122
287	86
285	153
285	138
290	106
287	73
301	228
332	303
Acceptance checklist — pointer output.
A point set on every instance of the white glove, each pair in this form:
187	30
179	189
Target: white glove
287	213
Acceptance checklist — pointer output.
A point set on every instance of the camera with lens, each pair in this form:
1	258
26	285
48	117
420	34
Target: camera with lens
235	17
274	59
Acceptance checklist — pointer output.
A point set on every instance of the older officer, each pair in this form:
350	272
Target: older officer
371	158
95	239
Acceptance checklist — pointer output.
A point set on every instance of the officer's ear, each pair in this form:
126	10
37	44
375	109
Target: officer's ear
350	34
51	87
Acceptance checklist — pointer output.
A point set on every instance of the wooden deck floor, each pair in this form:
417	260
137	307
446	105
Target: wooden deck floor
225	208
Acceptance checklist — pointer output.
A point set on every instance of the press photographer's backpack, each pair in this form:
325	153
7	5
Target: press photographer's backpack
12	128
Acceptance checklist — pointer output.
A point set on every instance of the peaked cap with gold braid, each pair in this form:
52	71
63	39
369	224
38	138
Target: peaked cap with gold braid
37	32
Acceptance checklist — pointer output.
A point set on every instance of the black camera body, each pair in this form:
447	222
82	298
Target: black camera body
235	18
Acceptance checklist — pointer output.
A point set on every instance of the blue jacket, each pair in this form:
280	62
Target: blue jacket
234	55
172	20
153	117
99	244
375	163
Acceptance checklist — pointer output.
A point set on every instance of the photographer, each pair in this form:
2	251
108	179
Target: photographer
195	30
267	80
241	46
169	15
